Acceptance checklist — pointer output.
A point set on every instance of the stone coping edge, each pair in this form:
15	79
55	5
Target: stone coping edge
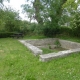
50	56
32	48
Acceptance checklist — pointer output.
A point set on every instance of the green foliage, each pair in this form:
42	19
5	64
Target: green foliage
9	20
71	4
50	31
34	28
51	14
45	10
28	10
76	24
2	25
31	27
6	34
39	29
66	31
57	43
47	50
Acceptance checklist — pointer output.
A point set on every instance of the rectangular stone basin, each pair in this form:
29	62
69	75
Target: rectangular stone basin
36	44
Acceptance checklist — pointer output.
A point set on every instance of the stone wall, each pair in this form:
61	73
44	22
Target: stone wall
68	44
40	42
50	56
50	41
36	51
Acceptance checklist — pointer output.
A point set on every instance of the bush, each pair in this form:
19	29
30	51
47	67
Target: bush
32	27
6	34
65	31
51	31
39	29
76	24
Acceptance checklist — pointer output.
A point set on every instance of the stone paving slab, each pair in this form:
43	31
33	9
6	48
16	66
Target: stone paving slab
50	56
36	51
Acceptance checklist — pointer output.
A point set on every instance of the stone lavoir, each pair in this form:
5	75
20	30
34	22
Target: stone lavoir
35	46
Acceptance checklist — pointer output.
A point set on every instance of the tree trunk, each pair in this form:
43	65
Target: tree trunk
37	6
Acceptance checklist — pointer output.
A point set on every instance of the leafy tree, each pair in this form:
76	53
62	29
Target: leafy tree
2	22
38	9
46	10
70	8
10	20
29	10
71	4
51	13
76	24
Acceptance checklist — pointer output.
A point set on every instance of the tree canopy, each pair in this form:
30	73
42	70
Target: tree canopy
45	10
49	14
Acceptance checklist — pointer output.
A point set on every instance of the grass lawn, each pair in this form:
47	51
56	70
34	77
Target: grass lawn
18	63
47	50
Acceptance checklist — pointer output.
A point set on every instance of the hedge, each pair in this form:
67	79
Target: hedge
6	34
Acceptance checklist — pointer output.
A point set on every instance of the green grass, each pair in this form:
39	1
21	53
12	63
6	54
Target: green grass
74	39
34	37
47	50
18	63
